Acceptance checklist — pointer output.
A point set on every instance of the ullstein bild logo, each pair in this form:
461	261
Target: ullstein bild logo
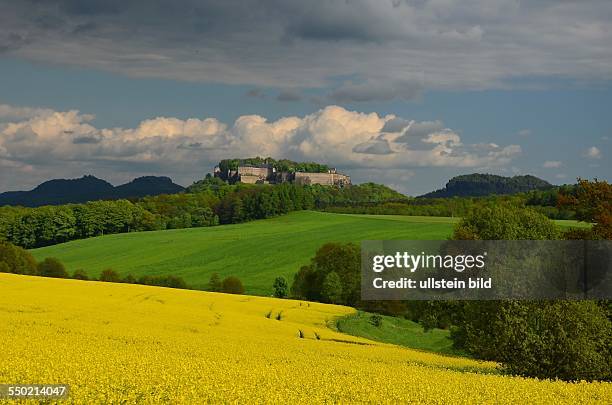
470	270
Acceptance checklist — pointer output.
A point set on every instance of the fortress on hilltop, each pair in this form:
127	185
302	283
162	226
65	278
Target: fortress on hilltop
270	171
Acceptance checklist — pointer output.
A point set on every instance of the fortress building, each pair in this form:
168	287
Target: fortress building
267	174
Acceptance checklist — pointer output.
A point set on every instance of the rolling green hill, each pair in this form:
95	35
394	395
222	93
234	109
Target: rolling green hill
257	251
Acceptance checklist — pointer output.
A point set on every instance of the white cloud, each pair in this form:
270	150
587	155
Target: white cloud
593	153
551	164
524	132
9	113
67	142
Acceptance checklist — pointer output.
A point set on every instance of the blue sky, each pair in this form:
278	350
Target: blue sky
466	91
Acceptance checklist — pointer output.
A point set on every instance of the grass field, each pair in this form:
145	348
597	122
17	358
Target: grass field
124	343
397	331
257	251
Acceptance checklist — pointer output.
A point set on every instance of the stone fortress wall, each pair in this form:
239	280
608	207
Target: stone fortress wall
266	174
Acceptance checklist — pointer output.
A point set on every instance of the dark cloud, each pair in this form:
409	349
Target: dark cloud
86	140
396	124
419	130
396	48
92	7
289	95
374	147
257	93
375	90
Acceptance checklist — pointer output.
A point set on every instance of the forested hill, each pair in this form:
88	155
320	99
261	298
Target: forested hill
88	188
477	185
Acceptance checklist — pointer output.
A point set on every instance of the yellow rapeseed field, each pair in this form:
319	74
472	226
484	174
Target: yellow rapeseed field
119	343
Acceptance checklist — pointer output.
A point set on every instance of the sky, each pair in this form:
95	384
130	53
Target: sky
406	93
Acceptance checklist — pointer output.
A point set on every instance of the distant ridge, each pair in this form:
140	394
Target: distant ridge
88	188
479	185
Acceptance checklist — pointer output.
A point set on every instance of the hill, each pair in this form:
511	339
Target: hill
478	185
257	251
88	188
140	344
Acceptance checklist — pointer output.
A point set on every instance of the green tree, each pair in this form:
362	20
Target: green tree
232	285
570	340
52	267
505	222
331	290
80	274
215	284
281	287
344	260
110	276
548	339
17	259
4	268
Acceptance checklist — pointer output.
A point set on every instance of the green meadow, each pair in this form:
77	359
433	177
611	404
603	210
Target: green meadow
256	252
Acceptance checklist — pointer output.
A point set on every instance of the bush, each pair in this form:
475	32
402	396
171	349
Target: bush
80	274
281	287
175	282
129	279
51	267
232	285
16	259
110	276
376	320
505	222
342	259
570	340
563	339
163	281
214	284
331	290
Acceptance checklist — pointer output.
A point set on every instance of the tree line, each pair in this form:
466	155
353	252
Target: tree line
16	260
209	202
282	165
542	201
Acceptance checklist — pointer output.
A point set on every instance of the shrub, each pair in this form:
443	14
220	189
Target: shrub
232	285
331	290
376	320
563	339
80	274
342	259
52	267
16	259
110	276
130	279
505	222
214	284
570	340
163	281
175	282
281	287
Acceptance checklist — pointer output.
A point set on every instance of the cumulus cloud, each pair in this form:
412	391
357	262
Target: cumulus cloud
592	153
551	164
11	113
395	48
61	142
